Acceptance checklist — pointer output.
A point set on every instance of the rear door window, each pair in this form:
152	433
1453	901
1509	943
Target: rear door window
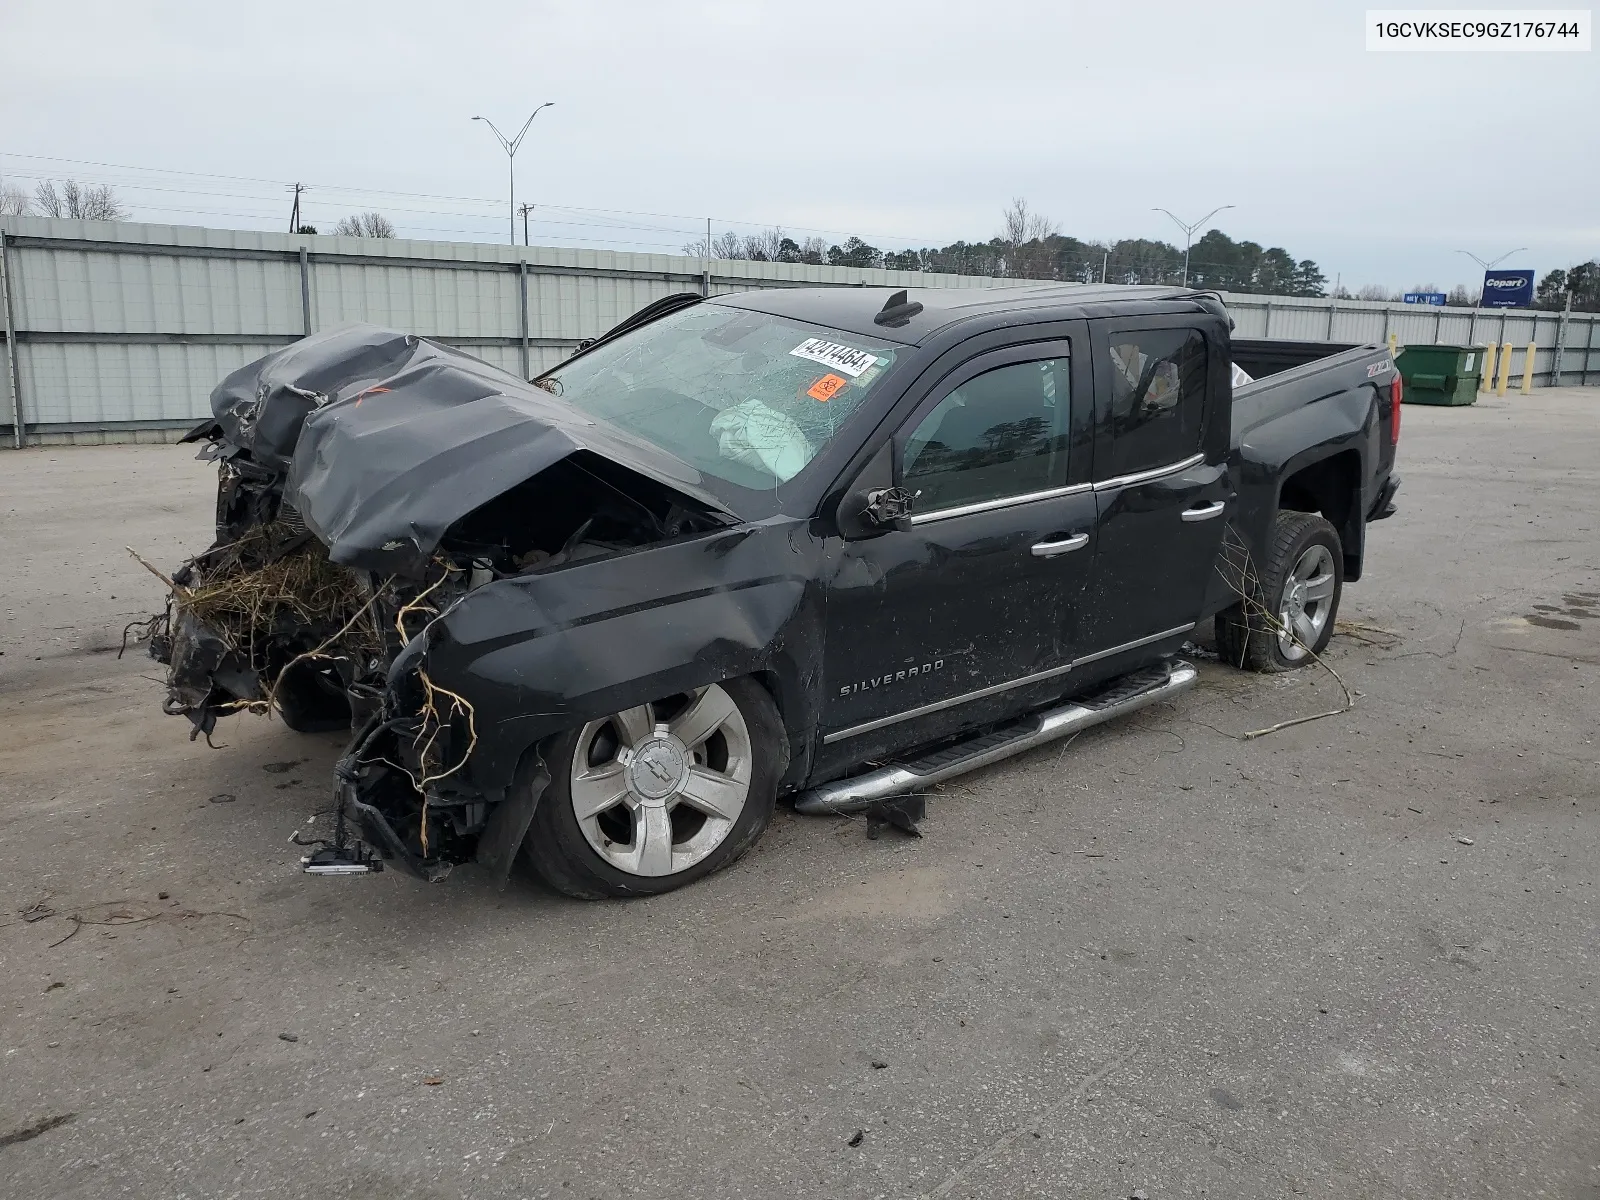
1158	397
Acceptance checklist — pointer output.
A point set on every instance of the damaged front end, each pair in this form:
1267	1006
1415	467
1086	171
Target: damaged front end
368	483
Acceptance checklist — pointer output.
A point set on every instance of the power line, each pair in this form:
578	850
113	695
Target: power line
328	188
602	220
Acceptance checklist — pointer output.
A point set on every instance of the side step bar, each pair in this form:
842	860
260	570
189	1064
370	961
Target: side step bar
1125	695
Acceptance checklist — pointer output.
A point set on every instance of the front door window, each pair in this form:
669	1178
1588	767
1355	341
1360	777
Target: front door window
1002	433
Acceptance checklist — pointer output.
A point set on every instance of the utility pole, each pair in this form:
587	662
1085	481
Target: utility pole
510	146
1189	232
294	212
525	209
1104	256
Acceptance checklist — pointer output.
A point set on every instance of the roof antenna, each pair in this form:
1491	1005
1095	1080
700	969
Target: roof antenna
897	310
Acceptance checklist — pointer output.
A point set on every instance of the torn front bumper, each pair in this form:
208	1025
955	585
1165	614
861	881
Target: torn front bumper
206	676
370	795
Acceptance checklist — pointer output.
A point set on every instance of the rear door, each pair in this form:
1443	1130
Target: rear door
1161	482
973	603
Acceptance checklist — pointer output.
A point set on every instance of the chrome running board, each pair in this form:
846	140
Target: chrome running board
1124	695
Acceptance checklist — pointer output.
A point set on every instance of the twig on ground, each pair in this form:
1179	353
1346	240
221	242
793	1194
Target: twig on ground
1454	646
176	589
147	628
121	916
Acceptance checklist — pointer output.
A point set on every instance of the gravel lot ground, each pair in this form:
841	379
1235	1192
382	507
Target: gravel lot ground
1354	958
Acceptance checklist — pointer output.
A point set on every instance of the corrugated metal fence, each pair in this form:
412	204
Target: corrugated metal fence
118	331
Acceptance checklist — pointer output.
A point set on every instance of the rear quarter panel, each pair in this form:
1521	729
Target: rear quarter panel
1288	422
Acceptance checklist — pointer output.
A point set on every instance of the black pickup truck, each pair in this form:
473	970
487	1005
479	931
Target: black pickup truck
830	544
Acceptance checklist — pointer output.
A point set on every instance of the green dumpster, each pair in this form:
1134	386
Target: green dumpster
1440	374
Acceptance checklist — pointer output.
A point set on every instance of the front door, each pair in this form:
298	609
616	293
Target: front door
936	628
1161	483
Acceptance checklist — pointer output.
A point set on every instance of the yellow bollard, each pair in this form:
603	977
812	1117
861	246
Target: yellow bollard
1394	345
1527	368
1505	369
1486	380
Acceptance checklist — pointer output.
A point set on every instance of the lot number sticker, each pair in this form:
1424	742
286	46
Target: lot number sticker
840	358
826	388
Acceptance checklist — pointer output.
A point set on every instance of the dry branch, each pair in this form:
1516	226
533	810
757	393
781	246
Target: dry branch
1247	589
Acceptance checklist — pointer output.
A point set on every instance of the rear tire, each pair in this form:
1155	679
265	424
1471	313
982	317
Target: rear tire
1293	600
649	800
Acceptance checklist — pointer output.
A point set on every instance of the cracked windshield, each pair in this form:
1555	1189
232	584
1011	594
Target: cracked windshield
746	397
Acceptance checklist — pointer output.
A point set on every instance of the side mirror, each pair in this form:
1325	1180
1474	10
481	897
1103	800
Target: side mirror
867	512
874	505
887	508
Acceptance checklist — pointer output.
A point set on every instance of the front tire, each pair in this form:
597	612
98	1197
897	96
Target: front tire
658	796
1292	600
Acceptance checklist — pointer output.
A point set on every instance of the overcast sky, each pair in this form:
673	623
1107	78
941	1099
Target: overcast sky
909	123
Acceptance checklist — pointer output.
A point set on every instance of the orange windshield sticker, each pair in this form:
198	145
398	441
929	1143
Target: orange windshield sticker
825	388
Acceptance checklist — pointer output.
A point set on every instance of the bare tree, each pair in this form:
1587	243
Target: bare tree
79	201
14	202
1024	232
765	246
725	245
1022	225
367	224
1374	291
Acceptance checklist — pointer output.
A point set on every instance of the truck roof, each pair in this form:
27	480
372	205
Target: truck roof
853	308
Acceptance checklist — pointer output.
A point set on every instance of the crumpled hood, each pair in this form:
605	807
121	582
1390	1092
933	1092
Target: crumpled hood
388	439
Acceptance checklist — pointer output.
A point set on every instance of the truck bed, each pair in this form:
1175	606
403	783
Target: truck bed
1262	357
1290	375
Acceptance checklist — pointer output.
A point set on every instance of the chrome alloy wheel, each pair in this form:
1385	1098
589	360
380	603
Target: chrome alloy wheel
1307	602
657	788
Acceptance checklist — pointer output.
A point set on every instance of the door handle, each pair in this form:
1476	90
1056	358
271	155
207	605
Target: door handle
1050	549
1205	512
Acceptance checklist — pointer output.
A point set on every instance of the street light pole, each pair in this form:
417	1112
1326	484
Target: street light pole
1489	266
510	146
1189	232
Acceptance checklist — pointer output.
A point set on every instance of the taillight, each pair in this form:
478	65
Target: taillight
1396	395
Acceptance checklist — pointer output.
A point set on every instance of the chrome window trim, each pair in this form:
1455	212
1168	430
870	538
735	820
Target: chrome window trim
1117	481
940	514
840	735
